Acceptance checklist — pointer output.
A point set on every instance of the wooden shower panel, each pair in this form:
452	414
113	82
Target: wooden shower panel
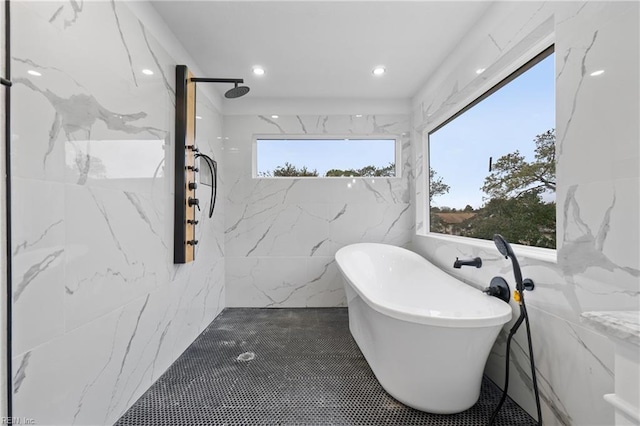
185	168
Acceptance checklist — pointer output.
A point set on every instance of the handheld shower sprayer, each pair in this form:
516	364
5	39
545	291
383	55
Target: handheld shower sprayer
505	249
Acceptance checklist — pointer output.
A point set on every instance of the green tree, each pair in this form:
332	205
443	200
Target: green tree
367	171
512	176
522	220
515	189
289	170
436	185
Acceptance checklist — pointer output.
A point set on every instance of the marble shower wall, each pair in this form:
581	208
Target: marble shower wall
99	309
281	234
597	264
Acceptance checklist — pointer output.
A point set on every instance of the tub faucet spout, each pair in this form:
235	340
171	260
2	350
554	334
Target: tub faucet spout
476	261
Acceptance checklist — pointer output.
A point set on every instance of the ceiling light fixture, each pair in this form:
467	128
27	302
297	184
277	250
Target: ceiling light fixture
257	70
274	116
597	73
480	70
358	115
380	70
147	71
36	73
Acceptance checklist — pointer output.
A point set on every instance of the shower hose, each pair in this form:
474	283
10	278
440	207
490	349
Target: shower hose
519	296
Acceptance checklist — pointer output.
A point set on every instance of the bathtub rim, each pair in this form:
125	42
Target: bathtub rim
396	311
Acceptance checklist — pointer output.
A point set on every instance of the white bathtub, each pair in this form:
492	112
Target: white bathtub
425	334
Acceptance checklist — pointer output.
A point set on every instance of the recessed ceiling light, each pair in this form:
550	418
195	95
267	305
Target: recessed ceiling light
257	70
147	72
274	116
358	115
198	117
597	73
480	70
379	70
36	73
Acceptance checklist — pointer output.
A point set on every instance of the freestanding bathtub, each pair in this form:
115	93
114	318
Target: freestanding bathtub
425	334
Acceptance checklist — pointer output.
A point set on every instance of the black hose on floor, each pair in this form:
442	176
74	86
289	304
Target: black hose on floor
523	317
533	364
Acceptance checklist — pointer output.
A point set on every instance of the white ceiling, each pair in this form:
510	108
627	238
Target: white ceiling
321	49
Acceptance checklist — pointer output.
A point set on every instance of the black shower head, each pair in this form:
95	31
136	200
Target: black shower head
503	246
236	92
505	249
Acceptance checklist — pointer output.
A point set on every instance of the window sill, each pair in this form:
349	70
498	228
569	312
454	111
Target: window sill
537	253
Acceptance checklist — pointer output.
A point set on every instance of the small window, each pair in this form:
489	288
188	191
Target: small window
492	165
326	157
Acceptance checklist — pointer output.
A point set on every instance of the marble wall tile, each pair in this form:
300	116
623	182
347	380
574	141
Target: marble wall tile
74	96
585	41
100	310
366	223
326	283
116	357
598	198
39	255
265	281
117	251
283	282
265	229
561	403
281	234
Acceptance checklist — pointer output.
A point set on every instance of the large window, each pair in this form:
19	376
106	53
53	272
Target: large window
492	166
326	157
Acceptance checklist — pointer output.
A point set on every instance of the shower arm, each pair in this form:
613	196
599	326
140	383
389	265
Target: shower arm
217	80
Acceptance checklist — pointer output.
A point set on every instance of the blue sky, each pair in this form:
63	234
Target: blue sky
506	121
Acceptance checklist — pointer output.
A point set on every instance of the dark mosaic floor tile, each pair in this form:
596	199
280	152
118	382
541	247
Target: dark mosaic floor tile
288	367
339	347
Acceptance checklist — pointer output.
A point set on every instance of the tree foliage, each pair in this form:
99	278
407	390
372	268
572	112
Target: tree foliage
511	176
523	220
367	171
289	170
436	185
514	206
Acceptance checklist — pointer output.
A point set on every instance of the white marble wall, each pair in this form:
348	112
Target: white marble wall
282	234
597	264
100	310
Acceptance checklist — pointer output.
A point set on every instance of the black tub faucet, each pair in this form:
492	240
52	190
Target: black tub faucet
476	261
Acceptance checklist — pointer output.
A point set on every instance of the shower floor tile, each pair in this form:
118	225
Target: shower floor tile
301	367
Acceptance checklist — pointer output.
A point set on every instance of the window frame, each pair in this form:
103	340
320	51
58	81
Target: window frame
541	253
279	137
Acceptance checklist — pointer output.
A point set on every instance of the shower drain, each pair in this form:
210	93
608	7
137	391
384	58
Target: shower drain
247	356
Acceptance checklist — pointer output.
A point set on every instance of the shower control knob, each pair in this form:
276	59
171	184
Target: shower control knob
192	242
192	185
528	284
193	202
